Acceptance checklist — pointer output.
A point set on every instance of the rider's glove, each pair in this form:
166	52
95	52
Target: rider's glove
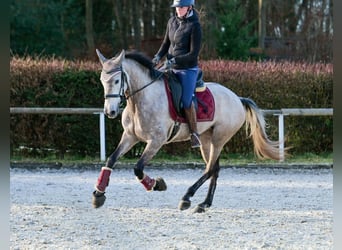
169	63
156	60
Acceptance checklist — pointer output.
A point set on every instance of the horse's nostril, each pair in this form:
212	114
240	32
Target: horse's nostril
111	113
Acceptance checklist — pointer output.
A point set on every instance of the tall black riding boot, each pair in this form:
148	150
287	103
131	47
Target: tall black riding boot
190	115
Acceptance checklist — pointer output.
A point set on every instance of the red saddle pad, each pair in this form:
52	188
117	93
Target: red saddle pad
205	101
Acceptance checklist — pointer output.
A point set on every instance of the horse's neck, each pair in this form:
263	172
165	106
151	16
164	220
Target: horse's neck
143	97
149	96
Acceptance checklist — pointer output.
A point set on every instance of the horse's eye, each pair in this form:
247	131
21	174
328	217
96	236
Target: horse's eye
116	81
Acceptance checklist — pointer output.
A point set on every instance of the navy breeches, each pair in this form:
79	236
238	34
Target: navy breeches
187	78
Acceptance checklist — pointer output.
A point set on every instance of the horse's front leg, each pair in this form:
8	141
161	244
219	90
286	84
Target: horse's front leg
150	184
126	143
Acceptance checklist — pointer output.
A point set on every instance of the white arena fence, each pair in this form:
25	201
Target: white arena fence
281	113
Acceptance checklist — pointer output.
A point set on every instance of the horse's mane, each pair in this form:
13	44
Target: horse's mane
142	59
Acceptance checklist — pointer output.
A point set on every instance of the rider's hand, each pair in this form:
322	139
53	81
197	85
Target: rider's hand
155	60
168	64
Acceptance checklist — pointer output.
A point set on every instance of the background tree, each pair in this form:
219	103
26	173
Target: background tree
208	10
147	13
30	34
89	26
295	29
233	34
120	10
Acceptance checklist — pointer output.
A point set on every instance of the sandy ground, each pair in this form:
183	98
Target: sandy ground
253	208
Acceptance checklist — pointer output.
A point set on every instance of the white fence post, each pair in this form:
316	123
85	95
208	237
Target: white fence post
281	136
102	137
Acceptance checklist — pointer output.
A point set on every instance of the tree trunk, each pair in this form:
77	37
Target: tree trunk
161	16
209	10
262	24
120	13
147	18
136	24
89	27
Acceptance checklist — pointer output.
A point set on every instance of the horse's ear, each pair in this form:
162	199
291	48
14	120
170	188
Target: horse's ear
119	58
101	57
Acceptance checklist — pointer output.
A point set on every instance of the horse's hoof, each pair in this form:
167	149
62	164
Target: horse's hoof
199	209
160	184
184	204
98	199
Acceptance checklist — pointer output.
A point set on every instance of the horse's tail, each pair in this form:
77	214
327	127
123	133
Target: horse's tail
263	147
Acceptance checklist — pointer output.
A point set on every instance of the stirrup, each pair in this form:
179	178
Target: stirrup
195	141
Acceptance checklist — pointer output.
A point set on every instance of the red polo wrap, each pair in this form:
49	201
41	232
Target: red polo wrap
103	180
148	182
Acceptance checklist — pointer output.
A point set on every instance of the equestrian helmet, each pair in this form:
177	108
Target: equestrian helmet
183	3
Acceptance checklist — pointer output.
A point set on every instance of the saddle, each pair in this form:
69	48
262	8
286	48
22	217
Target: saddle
203	99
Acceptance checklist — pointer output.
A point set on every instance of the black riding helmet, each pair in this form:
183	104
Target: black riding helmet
182	3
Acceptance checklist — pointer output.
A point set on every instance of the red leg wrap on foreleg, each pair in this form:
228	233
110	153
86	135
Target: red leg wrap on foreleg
148	182
103	180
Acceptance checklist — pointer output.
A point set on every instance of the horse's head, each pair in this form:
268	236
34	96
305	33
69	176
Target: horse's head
113	82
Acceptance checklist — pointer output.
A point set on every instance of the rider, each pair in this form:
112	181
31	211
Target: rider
181	45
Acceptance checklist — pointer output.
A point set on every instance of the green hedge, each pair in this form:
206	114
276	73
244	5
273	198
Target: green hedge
59	83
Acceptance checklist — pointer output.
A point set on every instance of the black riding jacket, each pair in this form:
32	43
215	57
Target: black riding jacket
182	41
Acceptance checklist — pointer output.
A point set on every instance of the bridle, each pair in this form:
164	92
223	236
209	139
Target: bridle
121	93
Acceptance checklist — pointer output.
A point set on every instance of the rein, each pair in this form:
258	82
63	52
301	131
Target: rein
148	84
123	80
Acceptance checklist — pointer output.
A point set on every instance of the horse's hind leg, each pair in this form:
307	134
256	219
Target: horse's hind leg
210	154
185	202
211	191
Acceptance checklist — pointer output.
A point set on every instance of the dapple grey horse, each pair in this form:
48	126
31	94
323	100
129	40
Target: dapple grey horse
131	77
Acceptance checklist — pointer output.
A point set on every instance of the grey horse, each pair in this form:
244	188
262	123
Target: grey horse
131	77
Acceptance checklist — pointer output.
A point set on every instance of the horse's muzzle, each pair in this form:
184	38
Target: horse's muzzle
111	114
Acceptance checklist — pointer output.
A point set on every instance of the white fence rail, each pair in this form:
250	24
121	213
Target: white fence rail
99	111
